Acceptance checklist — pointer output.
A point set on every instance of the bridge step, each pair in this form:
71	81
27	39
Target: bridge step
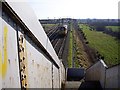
81	85
75	80
72	85
90	84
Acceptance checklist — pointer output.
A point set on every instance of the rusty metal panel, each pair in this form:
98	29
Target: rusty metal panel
29	18
36	69
39	68
9	57
23	59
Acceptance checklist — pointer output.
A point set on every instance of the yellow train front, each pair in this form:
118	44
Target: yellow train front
63	30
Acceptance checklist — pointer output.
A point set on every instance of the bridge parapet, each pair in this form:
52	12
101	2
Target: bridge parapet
108	77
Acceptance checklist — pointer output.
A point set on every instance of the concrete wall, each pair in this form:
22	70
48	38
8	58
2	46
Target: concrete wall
108	77
62	74
96	72
56	77
113	77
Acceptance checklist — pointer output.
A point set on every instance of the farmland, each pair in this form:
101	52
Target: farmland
113	28
105	44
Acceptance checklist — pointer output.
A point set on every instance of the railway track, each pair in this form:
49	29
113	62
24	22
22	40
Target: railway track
52	31
59	46
61	49
49	31
54	35
57	41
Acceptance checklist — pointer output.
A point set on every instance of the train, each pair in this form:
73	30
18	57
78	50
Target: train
63	30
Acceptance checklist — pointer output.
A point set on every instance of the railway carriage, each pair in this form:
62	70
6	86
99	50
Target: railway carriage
63	30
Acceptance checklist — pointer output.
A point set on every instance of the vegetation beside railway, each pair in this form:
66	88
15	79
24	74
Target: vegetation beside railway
104	44
75	50
81	58
70	52
77	55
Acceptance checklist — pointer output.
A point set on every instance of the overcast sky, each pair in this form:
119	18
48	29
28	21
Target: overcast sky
101	9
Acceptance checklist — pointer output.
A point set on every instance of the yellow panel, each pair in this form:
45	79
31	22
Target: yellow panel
4	62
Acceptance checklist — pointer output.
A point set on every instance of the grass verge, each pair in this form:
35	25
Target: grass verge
105	44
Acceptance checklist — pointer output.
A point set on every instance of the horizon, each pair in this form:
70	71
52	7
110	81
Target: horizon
86	18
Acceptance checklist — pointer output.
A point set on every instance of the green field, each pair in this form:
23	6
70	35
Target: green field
105	44
114	28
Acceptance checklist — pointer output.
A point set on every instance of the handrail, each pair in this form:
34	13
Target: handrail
105	65
96	63
113	66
